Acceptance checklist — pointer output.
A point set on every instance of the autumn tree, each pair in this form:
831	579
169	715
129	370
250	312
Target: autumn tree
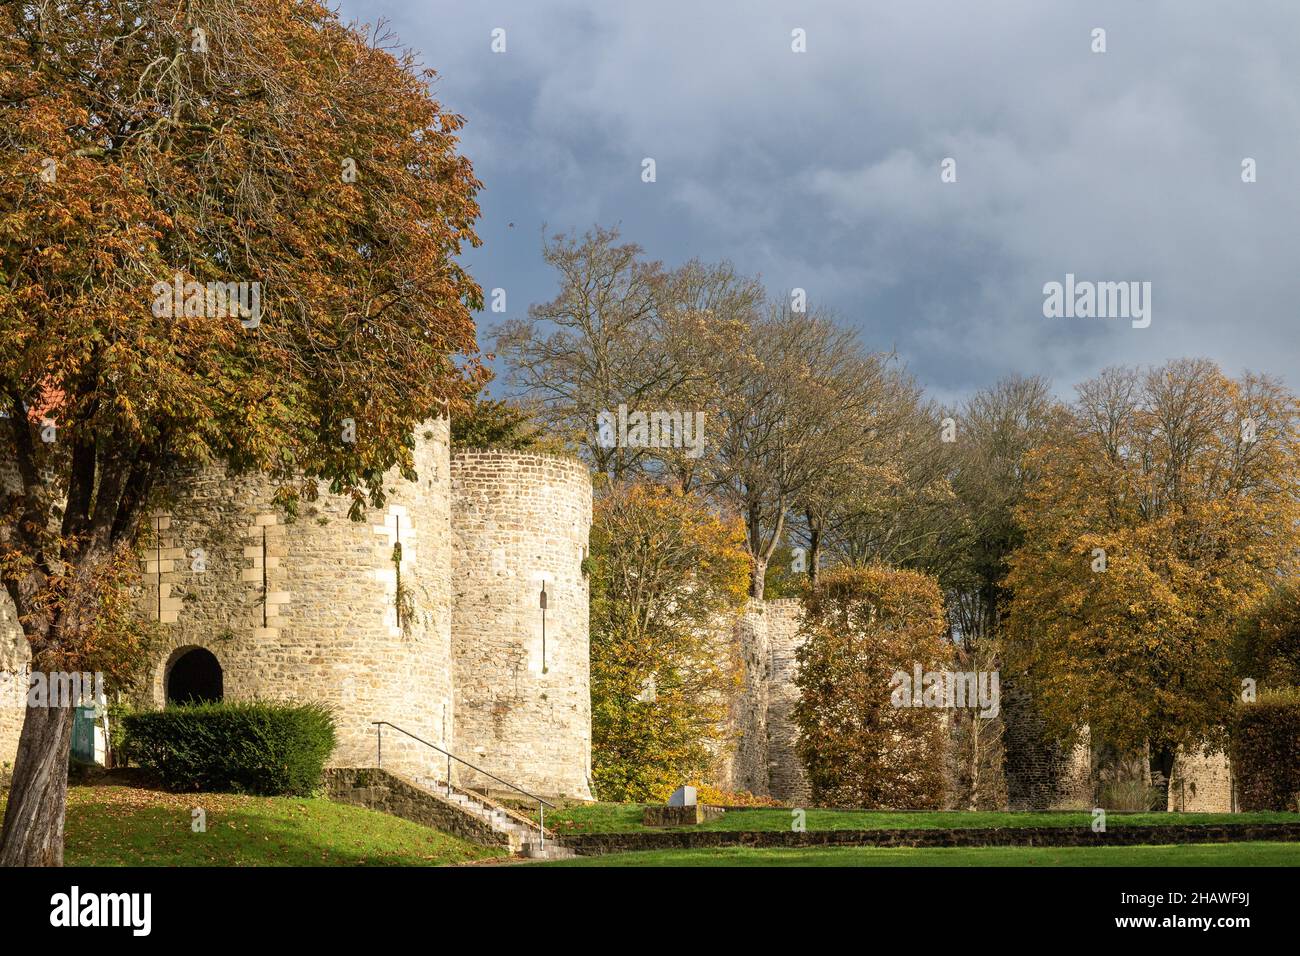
502	423
151	149
860	627
668	577
1165	500
935	493
994	433
624	330
837	497
1266	646
796	398
595	345
901	509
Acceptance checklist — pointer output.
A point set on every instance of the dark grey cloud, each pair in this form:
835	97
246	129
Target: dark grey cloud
821	170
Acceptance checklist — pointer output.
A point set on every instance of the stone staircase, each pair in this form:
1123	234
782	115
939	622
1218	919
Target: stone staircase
461	811
522	833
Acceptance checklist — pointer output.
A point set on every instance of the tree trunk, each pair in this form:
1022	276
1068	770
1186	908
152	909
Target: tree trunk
814	555
33	825
757	578
974	761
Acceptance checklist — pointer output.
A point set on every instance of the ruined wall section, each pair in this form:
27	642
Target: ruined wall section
1201	782
1040	773
787	780
749	767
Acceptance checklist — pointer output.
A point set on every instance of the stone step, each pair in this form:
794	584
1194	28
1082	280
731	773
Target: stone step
551	851
522	835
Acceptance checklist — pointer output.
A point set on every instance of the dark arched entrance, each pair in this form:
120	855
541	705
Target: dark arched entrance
194	678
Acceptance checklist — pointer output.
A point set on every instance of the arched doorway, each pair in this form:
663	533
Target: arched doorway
194	678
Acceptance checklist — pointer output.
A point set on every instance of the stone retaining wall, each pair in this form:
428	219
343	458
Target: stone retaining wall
594	844
397	796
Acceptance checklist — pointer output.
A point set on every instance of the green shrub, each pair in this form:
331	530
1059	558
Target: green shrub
117	742
248	747
1265	749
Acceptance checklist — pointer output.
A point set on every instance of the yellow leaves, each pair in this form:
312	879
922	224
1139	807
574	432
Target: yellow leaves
1148	471
667	577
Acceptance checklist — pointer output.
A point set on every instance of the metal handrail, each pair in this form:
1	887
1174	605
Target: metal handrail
379	762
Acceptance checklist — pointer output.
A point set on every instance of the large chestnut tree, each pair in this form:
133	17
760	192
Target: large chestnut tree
203	141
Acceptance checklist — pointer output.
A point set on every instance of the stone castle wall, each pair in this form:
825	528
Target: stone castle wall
523	712
1040	773
748	720
14	655
787	780
307	610
1201	782
759	755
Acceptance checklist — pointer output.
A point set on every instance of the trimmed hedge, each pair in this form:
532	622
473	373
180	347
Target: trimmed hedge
1265	750
248	747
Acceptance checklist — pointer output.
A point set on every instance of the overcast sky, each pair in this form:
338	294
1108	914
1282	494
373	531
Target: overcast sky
821	170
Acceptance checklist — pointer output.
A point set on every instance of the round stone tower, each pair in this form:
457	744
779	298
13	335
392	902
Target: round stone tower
353	614
520	523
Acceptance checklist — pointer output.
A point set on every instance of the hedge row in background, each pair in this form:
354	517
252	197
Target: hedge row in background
248	747
1266	752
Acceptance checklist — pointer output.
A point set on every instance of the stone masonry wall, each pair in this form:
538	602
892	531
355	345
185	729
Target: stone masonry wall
1040	774
307	610
723	650
14	659
749	767
787	780
1201	782
520	520
758	754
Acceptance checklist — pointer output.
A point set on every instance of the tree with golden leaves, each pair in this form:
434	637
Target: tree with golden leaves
668	579
1165	502
155	156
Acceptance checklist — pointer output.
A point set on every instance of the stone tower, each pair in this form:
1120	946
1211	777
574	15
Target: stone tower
523	701
360	615
310	610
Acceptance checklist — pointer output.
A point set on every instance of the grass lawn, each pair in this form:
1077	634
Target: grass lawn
133	826
1201	854
626	817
